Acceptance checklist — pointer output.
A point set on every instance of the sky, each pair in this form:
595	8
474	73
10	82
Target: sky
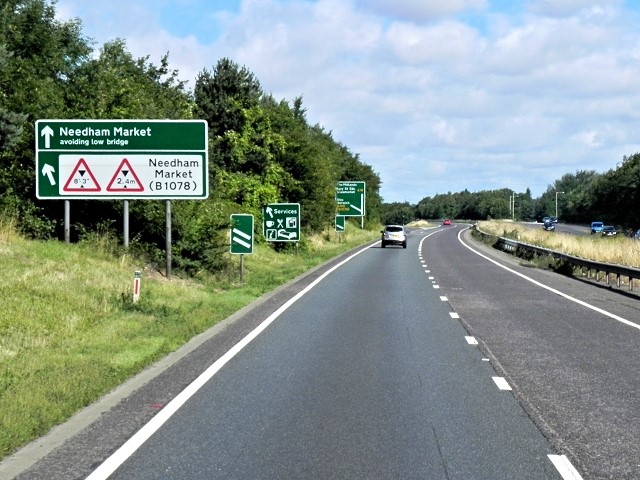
436	96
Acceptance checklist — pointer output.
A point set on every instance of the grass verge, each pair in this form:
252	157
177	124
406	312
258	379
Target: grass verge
69	332
617	250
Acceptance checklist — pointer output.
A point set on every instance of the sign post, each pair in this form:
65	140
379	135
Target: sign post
241	234
241	237
350	199
281	222
121	159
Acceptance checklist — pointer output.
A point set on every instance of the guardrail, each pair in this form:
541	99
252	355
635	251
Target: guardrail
588	268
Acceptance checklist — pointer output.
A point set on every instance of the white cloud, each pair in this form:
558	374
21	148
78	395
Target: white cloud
562	8
421	10
447	42
435	95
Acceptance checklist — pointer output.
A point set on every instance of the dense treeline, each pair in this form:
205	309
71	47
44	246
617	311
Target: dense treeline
260	149
611	197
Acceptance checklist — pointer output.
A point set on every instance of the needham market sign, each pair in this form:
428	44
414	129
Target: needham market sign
111	159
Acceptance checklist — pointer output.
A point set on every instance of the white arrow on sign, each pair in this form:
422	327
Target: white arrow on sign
47	133
270	211
48	170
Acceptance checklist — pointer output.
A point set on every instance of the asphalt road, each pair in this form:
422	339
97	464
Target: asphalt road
374	373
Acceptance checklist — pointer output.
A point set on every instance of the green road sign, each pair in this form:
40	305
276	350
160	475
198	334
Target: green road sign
340	223
111	159
241	233
350	199
281	222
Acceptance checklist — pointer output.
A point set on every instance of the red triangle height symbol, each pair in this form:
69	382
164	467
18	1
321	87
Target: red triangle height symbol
81	179
125	179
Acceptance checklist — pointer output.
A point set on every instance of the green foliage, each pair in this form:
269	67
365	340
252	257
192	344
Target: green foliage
398	213
115	85
260	151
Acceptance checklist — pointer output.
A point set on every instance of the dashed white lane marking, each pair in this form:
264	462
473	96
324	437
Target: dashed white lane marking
454	315
566	470
432	278
561	462
501	383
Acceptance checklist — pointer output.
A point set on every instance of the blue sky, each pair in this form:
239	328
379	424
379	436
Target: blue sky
437	96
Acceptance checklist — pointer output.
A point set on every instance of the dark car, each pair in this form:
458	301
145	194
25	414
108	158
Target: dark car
394	235
608	231
549	225
596	227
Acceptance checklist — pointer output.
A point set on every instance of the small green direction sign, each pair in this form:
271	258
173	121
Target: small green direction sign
340	223
241	233
111	159
282	222
350	199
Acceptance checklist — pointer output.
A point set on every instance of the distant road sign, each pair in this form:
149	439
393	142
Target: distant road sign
282	222
350	199
241	233
111	159
340	223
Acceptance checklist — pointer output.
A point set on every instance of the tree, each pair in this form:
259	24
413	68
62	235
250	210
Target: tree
38	55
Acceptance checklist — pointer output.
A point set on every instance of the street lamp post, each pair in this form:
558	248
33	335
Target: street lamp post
557	203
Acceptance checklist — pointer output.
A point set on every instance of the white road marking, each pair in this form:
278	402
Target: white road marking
565	468
112	463
436	286
444	299
471	340
454	315
557	292
501	383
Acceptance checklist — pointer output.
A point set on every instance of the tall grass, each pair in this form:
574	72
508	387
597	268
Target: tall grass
616	250
69	331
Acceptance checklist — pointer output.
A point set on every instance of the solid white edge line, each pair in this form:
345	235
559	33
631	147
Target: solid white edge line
557	292
564	467
112	463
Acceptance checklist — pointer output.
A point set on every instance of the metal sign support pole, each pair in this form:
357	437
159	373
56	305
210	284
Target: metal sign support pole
168	235
67	221
126	223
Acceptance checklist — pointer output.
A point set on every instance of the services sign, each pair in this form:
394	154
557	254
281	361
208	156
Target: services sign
128	159
282	222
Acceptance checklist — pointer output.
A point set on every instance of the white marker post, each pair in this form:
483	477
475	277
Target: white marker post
137	279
